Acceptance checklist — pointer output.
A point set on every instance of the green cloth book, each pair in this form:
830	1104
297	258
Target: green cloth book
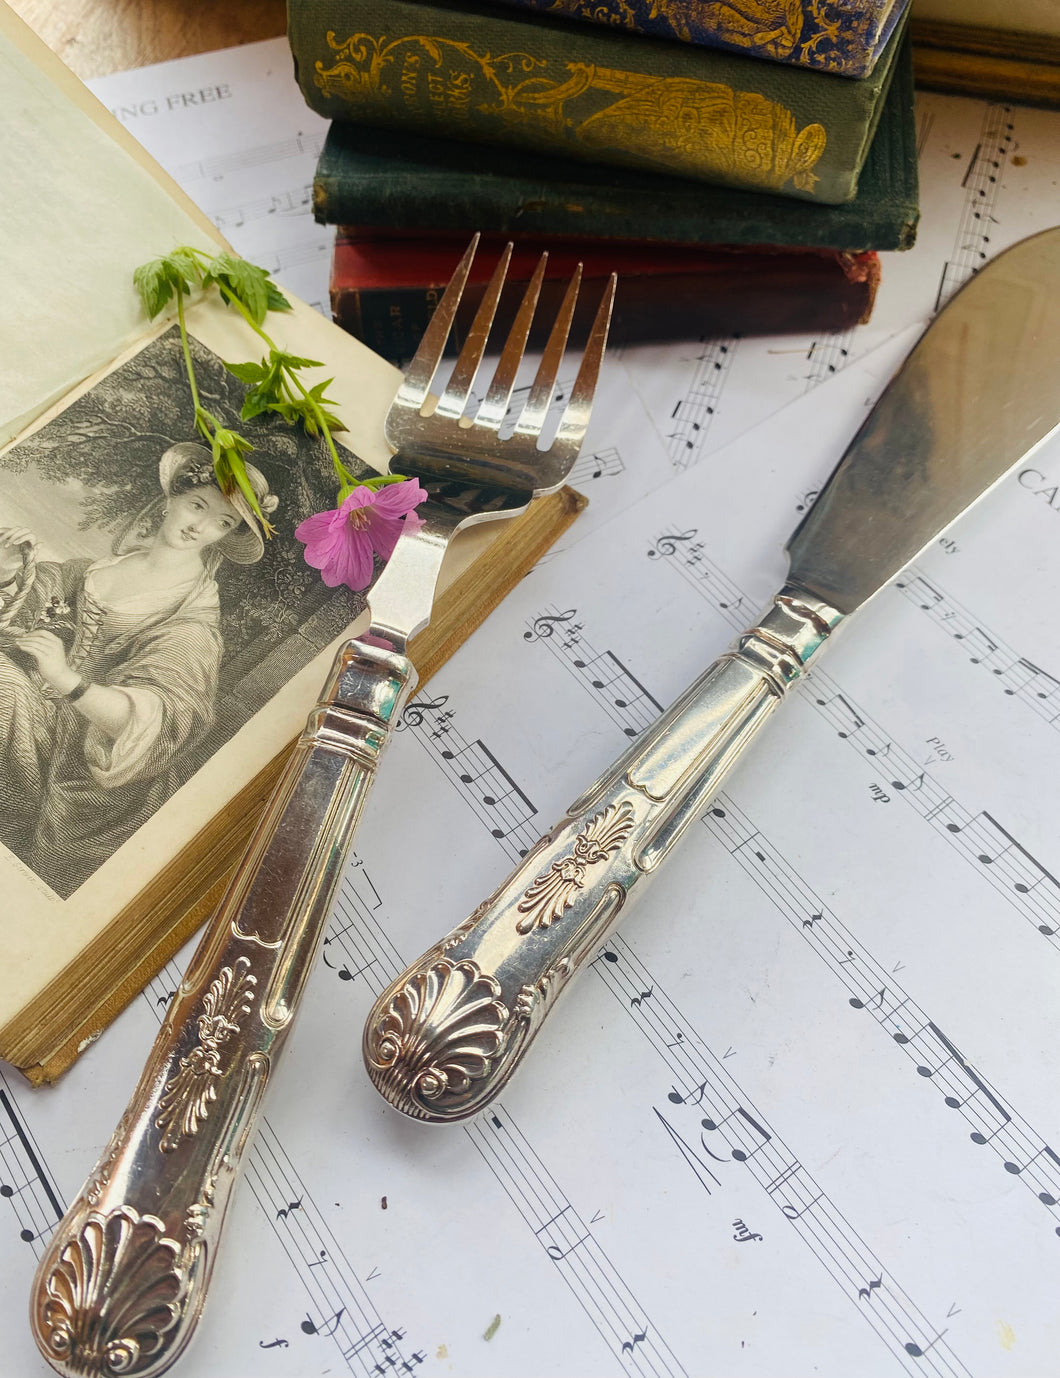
481	73
392	181
844	36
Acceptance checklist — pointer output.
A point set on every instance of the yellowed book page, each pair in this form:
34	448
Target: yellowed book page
81	832
83	204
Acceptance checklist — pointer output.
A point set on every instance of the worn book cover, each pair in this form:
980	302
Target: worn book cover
123	810
843	36
389	180
384	290
485	73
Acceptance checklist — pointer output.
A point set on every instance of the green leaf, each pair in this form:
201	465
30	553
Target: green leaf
158	279
334	423
292	360
153	285
245	281
275	298
290	411
184	262
248	373
253	405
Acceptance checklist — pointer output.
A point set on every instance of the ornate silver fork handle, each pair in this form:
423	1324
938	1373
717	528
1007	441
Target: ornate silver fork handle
123	1281
442	1039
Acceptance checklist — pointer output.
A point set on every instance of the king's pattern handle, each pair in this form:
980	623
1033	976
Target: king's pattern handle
123	1281
442	1039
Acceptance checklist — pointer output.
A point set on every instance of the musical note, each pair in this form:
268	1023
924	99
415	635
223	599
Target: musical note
325	1328
989	646
1037	676
854	722
917	1351
617	687
557	1254
675	1097
739	1154
604	463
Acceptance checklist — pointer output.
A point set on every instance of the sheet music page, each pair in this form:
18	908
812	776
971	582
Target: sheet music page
799	1117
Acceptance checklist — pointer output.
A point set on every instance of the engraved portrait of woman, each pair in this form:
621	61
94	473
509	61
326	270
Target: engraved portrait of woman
109	667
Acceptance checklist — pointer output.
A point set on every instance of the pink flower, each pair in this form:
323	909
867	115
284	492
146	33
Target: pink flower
342	543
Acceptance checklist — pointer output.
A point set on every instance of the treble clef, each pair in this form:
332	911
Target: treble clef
667	545
414	714
545	626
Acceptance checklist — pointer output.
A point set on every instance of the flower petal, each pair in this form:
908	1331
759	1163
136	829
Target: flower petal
384	533
398	498
317	527
354	565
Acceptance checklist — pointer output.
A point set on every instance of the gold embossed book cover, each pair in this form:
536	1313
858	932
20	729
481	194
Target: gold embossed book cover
123	810
484	73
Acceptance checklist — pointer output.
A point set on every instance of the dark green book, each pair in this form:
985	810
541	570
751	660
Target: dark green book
482	73
387	180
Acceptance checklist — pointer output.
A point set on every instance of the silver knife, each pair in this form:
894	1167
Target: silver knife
978	393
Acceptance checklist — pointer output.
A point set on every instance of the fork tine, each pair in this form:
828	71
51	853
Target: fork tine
537	404
575	418
495	407
413	391
458	389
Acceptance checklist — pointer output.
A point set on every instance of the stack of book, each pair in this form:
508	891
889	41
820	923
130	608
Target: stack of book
739	164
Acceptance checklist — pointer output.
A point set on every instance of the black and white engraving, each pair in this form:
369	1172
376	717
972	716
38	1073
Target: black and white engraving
144	619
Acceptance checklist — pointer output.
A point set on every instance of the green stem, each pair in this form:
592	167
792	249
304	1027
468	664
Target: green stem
185	345
341	472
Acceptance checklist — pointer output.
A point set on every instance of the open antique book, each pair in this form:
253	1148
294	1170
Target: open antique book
113	849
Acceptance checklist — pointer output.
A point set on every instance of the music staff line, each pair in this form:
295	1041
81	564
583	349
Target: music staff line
982	184
337	1296
606	463
357	946
302	145
25	1180
618	691
485	785
744	1137
294	201
827	356
1018	677
569	1242
1022	1151
359	932
993	1121
692	414
1014	872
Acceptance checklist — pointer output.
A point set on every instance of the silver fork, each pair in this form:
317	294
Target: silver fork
123	1281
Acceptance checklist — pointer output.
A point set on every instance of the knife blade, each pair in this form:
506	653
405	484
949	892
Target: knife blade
978	393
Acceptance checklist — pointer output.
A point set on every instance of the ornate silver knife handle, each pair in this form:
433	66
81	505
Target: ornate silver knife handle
442	1039
123	1281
